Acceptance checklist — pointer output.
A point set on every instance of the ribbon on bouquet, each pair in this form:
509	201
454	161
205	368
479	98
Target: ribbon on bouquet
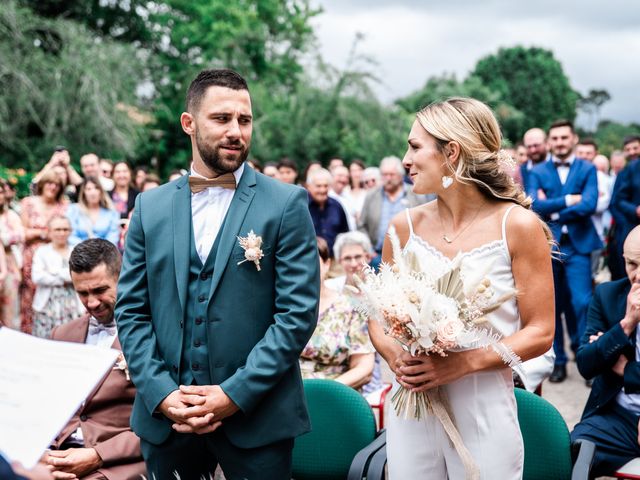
435	401
441	409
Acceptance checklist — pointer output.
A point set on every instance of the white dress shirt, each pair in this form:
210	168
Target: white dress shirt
208	209
563	173
103	338
602	217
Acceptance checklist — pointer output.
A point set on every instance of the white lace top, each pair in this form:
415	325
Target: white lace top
491	260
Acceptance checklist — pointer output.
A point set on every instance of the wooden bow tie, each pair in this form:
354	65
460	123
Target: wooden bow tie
197	184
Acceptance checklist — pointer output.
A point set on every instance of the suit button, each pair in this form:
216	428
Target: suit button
198	320
83	418
204	276
202	298
195	366
196	343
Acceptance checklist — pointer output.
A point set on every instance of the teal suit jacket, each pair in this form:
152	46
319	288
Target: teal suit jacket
258	321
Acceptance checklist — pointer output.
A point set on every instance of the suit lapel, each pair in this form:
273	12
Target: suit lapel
182	237
573	171
79	334
235	216
555	178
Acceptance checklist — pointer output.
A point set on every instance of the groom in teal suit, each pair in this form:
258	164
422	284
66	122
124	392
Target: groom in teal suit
217	297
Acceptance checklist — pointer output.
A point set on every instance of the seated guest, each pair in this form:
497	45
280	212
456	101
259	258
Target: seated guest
98	443
328	216
610	354
339	348
93	216
55	301
352	251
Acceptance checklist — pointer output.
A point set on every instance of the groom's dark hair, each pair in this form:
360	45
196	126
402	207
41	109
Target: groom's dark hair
217	77
89	254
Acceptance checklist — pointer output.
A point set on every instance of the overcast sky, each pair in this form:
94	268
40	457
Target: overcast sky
597	42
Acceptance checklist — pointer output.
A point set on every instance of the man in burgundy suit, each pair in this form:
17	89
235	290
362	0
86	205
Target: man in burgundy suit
97	443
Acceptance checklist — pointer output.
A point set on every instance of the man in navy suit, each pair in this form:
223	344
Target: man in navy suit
624	208
610	353
535	141
565	195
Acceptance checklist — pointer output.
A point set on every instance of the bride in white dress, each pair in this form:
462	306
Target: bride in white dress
454	152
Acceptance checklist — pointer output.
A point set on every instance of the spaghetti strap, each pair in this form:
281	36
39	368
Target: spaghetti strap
409	222
504	225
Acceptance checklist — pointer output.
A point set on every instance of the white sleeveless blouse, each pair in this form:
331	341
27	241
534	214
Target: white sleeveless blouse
492	258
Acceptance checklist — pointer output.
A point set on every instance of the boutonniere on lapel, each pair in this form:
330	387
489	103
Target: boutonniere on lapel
121	364
251	244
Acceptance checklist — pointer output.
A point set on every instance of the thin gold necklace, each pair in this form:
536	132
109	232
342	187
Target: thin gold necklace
446	238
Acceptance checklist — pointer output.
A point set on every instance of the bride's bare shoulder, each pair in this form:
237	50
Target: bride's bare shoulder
525	228
417	215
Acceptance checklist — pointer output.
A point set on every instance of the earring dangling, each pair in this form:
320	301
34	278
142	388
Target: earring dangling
447	181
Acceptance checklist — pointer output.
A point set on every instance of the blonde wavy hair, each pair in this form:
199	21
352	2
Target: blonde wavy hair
473	126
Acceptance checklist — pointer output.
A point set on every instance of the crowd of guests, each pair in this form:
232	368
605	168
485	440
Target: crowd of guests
38	231
592	205
590	202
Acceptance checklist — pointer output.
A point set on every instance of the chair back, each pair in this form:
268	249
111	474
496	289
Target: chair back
547	444
342	423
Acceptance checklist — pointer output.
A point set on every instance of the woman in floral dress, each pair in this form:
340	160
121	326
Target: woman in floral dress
339	348
11	242
37	210
55	301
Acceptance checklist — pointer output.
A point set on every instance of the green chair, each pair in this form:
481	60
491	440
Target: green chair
343	426
547	444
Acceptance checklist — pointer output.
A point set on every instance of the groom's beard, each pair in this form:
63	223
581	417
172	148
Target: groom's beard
221	162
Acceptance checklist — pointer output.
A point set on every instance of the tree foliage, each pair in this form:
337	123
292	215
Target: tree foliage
591	105
445	86
532	81
263	40
120	20
609	135
342	118
111	76
61	85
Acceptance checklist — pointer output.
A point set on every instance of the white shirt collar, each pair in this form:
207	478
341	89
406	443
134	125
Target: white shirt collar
102	338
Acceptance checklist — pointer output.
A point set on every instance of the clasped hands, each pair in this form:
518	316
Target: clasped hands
423	372
197	408
628	324
72	463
